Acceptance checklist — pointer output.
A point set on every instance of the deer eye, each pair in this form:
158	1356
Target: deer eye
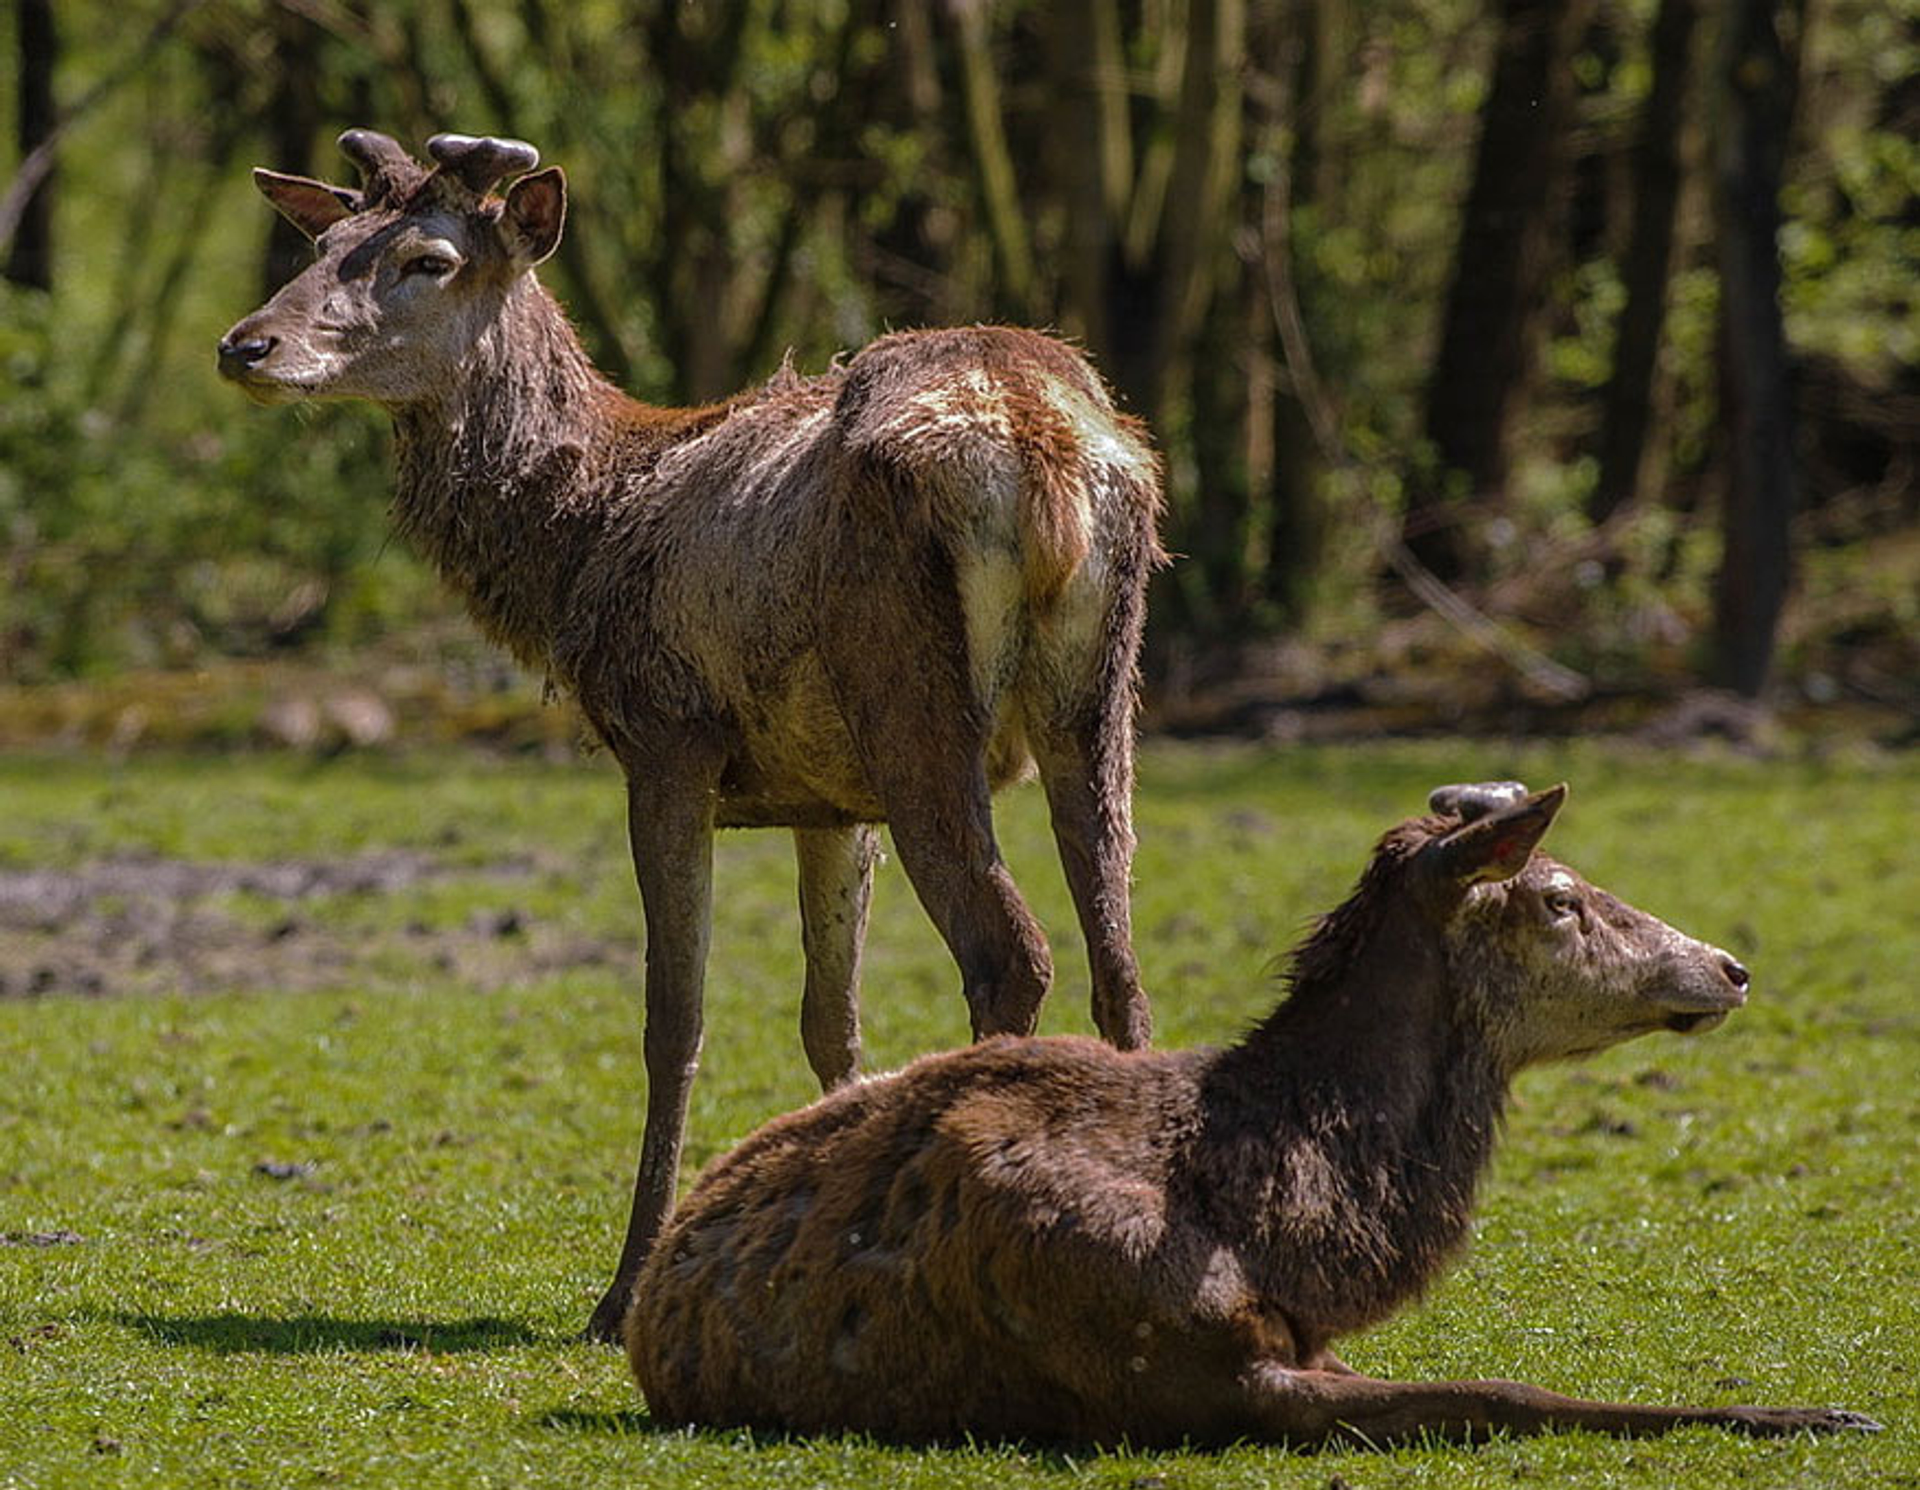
433	265
1561	903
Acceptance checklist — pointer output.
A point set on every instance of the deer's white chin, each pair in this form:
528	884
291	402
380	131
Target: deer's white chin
268	387
274	393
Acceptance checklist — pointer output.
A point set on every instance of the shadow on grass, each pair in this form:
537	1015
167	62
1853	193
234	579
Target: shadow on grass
317	1334
636	1421
572	1420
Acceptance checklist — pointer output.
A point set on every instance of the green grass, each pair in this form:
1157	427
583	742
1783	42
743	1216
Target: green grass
1724	1219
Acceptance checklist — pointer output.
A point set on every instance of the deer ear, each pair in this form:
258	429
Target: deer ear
536	211
311	206
1498	845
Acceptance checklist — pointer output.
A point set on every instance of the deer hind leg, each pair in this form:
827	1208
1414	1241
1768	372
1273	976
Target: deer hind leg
1312	1407
670	823
1092	826
836	888
938	806
895	646
1079	704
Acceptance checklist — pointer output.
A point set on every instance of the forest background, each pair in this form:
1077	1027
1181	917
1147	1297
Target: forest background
1516	364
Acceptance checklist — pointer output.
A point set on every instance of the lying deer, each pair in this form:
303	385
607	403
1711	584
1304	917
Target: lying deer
1053	1239
869	596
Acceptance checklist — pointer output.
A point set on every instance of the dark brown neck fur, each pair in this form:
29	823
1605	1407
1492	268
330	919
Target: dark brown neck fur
508	481
1342	1141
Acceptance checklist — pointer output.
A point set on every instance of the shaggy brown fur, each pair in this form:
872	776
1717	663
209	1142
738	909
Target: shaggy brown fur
872	595
1054	1239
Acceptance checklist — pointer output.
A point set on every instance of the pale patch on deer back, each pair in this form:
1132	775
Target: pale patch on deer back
995	459
1037	487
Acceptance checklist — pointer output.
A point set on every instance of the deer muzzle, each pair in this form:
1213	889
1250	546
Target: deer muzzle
244	354
240	356
1699	1009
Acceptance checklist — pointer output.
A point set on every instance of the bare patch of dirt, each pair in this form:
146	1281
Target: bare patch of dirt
152	925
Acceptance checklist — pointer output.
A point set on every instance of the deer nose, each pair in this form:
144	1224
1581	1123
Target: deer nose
239	354
1734	973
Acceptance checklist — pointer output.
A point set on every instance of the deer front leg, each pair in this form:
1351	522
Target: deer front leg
836	888
670	825
1313	1407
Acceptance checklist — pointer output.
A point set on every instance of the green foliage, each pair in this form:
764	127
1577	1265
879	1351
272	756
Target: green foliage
1849	280
1718	1219
748	179
1851	239
122	548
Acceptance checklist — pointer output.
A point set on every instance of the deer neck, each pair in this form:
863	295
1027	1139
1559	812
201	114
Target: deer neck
1343	1140
503	479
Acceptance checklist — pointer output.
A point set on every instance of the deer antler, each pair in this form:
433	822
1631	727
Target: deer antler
478	163
1472	800
386	170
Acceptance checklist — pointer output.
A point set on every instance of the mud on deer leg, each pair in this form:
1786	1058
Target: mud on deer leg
671	828
836	888
1087	793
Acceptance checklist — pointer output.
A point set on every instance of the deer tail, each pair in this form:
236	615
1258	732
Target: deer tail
1055	505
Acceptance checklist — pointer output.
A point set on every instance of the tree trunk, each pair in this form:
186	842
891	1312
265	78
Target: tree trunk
1626	412
1091	154
30	257
293	119
1501	268
1757	84
1223	471
908	258
1298	50
1006	218
1140	255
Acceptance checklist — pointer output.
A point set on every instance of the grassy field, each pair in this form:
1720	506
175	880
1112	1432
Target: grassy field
308	1173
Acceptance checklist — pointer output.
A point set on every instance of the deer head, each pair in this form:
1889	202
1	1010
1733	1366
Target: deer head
1554	966
410	271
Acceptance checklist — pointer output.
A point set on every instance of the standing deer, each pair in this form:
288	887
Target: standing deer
1053	1239
870	596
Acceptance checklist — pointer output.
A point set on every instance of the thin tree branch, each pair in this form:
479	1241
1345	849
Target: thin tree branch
1207	149
1551	678
1006	224
38	162
833	141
